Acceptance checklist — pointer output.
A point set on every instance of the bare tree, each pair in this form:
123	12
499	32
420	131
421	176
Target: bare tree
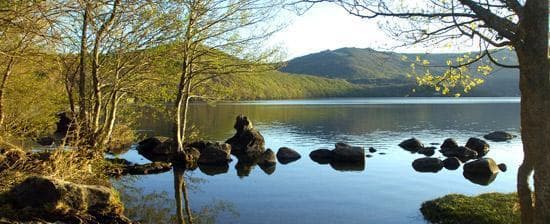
220	38
521	25
24	26
119	34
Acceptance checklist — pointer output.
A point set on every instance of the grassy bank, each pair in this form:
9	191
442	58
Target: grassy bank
490	208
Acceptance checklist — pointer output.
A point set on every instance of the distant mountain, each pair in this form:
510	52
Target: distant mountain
385	73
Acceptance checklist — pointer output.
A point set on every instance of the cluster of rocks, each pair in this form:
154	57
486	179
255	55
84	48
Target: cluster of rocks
481	170
343	157
122	167
212	158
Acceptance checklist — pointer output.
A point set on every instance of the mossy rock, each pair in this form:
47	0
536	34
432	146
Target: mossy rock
489	208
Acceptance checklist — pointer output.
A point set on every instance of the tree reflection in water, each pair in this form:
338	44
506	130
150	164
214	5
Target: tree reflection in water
158	207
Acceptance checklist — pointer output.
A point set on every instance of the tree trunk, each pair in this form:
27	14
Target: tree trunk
82	69
5	78
532	51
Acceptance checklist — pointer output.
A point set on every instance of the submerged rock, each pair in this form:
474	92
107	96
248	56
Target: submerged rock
247	140
411	144
287	155
478	145
322	156
498	136
461	152
451	163
427	164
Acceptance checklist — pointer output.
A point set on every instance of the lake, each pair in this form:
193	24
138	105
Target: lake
386	190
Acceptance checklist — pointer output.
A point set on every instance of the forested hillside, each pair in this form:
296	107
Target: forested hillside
387	71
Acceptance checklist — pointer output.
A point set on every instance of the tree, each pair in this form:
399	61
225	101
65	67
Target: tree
219	38
119	34
521	25
24	26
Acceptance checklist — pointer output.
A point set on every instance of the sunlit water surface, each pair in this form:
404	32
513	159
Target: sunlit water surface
388	190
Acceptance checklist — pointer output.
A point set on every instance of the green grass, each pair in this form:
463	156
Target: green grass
490	208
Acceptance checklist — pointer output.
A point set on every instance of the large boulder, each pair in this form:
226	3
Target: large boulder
411	144
215	153
462	153
482	167
49	197
287	155
478	145
427	164
449	144
322	156
344	153
267	158
498	136
157	145
247	140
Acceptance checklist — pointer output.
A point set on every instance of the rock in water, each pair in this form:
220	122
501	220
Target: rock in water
502	167
267	158
482	167
412	145
498	136
449	144
287	155
462	153
322	156
451	163
372	150
215	153
478	145
157	145
433	165
428	151
247	140
344	153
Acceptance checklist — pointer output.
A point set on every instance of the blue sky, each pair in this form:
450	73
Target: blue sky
328	27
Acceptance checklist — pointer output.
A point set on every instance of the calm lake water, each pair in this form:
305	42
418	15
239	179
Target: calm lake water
386	190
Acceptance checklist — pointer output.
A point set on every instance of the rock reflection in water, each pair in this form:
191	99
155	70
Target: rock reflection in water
158	207
357	166
481	179
212	170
